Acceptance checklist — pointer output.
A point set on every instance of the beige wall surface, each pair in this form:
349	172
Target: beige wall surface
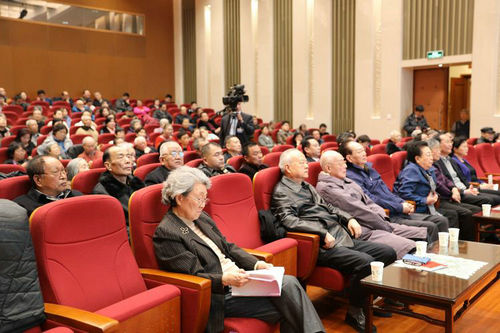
55	58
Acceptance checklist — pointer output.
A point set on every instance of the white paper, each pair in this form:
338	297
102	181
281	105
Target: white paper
262	282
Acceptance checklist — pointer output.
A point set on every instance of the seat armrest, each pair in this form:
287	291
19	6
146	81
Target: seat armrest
265	256
307	253
492	173
80	319
387	212
195	296
411	202
475	184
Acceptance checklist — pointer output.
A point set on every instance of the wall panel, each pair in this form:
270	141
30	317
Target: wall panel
232	69
189	49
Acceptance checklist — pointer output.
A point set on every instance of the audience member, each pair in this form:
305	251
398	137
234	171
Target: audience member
90	151
59	136
76	166
109	125
265	139
204	121
213	160
233	146
166	135
65	97
79	106
117	181
364	140
252	160
48	183
87	128
322	129
98	99
183	114
162	113
23	137
4	129
123	104
297	139
298	207
283	133
32	126
38	116
198	143
16	154
317	136
345	137
487	135
171	157
141	146
237	123
462	126
416	120
303	130
394	138
40	96
141	110
311	149
185	191
183	139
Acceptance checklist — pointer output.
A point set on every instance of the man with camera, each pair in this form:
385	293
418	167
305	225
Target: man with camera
235	121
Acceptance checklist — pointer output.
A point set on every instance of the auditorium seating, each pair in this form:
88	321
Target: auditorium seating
281	148
496	147
272	159
145	213
378	149
6	168
486	156
383	164
324	277
235	161
190	155
86	267
329	138
85	181
471	141
11	188
7	140
148	159
16	128
313	173
142	171
194	163
264	150
232	206
398	159
327	145
105	138
78	138
473	160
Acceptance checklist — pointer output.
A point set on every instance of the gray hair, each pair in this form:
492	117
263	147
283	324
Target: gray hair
38	108
88	140
327	157
164	122
432	143
30	121
394	133
168	144
181	182
285	158
73	167
139	139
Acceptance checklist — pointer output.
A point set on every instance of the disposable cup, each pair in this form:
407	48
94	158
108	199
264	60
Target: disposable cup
490	179
377	270
495	187
443	239
454	232
486	209
421	248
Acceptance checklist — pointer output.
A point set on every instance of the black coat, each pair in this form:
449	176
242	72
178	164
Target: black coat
179	249
250	170
244	129
157	176
214	172
21	302
34	199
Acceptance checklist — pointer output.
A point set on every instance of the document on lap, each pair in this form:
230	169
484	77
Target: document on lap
262	282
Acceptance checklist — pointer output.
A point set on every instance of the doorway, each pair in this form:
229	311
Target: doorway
460	83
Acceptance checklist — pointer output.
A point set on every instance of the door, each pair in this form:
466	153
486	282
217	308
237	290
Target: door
459	98
430	89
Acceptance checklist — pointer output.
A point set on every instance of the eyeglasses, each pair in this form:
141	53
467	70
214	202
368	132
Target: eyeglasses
174	154
55	173
201	202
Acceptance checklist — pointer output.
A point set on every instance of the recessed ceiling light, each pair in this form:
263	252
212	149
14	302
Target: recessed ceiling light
440	65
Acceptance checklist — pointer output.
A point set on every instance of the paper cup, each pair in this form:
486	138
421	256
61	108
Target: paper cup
377	270
443	239
454	250
454	234
486	209
490	179
495	187
421	248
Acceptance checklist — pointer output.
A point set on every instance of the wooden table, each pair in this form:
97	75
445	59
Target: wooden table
449	294
479	220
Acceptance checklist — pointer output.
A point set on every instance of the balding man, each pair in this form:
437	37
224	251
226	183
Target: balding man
141	147
90	151
341	192
32	126
171	157
298	207
87	127
48	183
117	181
394	139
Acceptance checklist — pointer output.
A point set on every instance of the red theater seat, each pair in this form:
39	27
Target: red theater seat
272	159
486	156
194	163
190	155
145	213
105	138
87	266
85	181
308	244
11	188
78	138
148	159
281	148
232	206
235	162
264	150
329	138
378	149
8	140
383	164
142	171
313	173
7	168
397	159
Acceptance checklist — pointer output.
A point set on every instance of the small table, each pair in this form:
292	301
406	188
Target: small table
450	294
480	220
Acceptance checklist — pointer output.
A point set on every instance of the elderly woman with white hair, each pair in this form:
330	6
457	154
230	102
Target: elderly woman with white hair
76	166
188	241
394	138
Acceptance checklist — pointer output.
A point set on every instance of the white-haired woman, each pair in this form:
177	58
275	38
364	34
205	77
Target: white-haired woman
76	166
394	138
188	241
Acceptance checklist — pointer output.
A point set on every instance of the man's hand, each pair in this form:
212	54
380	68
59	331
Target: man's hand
263	265
408	208
471	190
486	186
432	197
239	116
237	279
354	228
455	194
329	241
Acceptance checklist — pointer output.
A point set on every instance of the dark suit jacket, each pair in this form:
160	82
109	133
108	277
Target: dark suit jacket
440	164
34	199
179	249
244	130
157	176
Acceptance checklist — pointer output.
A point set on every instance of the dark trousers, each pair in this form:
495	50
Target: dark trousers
492	195
431	222
355	261
293	309
464	211
476	200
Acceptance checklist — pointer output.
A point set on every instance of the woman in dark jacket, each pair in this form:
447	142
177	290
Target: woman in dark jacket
24	138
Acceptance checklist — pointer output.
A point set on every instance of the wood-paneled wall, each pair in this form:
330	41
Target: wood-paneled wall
437	25
37	56
189	49
232	59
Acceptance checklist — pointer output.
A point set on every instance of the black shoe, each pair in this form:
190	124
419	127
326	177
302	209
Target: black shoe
382	314
356	325
393	302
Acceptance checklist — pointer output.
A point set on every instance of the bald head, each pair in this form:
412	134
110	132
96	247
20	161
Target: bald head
293	164
333	164
171	155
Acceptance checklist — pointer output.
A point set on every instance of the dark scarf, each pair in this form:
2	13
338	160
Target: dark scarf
116	189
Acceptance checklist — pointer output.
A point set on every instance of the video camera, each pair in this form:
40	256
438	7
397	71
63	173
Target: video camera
235	95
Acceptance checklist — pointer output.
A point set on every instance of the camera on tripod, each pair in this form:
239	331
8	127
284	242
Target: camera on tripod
235	95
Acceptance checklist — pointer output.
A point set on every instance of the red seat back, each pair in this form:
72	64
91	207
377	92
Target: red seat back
378	149
190	155
496	147
11	188
313	173
272	159
281	148
6	168
8	140
471	141
383	164
194	163
232	207
78	138
130	137
3	154
142	171
85	181
148	159
88	263
472	159
374	142
256	135
105	138
329	138
16	128
17	108
264	150
263	186
327	145
397	159
486	157
236	161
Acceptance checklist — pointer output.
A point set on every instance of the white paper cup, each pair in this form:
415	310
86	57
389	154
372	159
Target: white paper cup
377	270
454	232
454	250
443	239
421	248
495	187
486	209
490	179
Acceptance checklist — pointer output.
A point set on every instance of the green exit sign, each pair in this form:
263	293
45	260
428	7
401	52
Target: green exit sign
435	54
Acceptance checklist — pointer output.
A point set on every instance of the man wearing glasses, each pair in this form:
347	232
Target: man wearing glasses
213	161
171	157
48	183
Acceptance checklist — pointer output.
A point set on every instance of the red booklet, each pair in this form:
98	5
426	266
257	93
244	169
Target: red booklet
433	266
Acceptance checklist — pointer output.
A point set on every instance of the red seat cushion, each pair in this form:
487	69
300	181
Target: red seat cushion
327	278
278	246
248	325
313	173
